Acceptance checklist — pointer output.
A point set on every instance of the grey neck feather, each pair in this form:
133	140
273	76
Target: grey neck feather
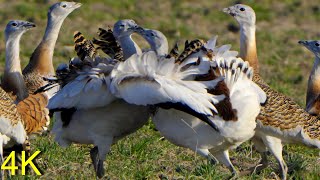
13	68
12	54
129	46
52	32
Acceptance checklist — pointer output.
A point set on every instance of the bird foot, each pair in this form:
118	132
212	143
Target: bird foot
100	169
234	176
97	163
255	169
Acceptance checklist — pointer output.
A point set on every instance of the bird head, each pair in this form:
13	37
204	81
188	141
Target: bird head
312	45
125	28
244	14
62	9
155	38
18	27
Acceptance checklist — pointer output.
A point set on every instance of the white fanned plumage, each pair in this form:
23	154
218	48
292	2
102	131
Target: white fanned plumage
245	96
89	89
149	80
90	114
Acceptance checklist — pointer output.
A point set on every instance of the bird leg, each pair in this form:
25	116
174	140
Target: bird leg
275	147
212	159
98	154
263	150
94	157
223	157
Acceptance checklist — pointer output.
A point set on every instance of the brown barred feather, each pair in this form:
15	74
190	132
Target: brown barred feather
83	47
174	52
282	112
8	109
34	114
190	48
108	44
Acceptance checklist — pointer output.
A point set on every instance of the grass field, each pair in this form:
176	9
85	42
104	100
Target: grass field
285	65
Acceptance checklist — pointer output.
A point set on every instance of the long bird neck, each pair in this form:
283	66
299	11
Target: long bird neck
162	49
314	80
129	46
42	57
13	79
248	48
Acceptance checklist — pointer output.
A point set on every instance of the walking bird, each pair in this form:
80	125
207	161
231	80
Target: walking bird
281	120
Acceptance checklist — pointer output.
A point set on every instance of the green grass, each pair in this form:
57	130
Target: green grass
285	65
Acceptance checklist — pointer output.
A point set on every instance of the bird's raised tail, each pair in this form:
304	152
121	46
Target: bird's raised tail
236	71
152	80
34	114
83	47
108	44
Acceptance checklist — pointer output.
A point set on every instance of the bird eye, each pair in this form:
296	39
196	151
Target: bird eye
317	44
122	26
242	9
64	6
14	24
152	34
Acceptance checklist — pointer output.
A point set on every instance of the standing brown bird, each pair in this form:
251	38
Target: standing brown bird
40	64
281	120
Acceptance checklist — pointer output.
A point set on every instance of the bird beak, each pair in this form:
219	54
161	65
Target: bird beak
29	25
77	5
230	11
136	29
303	42
139	30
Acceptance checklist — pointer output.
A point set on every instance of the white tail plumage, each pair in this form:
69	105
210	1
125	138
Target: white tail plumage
150	80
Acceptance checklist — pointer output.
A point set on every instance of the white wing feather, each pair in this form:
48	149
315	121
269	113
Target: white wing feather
147	80
88	90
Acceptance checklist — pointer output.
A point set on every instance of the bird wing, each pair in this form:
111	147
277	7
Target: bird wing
150	80
34	113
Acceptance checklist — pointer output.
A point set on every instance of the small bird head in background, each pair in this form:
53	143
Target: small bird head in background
125	27
18	27
312	45
244	14
62	9
155	38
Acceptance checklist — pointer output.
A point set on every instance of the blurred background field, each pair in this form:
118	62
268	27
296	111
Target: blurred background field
284	64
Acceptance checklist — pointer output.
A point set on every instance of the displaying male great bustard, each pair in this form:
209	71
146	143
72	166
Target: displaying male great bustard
86	111
41	64
281	120
178	88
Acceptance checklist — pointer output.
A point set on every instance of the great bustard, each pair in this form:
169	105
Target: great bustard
12	80
313	92
178	88
86	111
40	64
32	107
281	120
30	115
